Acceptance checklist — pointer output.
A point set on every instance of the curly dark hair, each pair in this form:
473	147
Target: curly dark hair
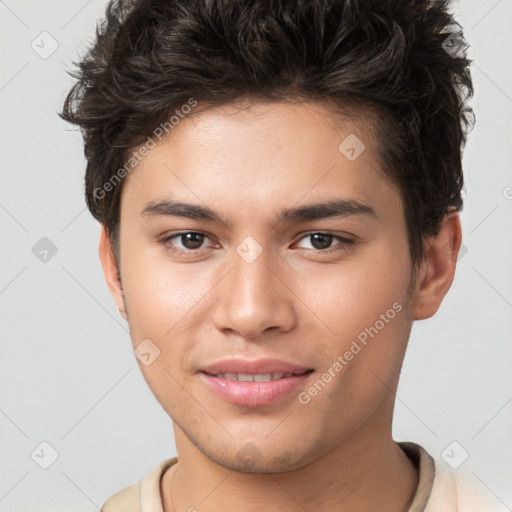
405	60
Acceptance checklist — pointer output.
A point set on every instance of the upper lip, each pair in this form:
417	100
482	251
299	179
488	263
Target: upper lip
252	367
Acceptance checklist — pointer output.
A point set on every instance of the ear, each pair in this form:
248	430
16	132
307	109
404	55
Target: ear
110	270
437	268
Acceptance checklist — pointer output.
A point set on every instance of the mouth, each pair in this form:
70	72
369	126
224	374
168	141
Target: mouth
257	377
254	383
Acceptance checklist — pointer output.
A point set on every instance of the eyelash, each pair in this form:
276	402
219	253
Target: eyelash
341	246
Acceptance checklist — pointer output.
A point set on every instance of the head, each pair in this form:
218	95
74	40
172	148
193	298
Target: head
252	112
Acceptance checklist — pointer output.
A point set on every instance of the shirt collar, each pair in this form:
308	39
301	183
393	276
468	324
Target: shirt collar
151	499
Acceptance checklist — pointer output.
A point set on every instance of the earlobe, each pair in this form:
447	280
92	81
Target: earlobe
110	270
438	267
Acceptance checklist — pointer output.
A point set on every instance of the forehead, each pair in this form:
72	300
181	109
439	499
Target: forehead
248	125
264	155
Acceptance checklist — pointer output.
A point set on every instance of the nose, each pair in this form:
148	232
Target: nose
254	298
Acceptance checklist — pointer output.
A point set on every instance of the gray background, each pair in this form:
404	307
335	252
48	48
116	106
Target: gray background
68	375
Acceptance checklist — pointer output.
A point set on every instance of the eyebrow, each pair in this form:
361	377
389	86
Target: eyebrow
317	211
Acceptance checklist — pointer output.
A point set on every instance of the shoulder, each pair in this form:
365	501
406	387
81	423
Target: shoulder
460	490
443	489
126	500
143	495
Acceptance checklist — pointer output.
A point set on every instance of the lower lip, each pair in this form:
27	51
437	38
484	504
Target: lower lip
254	393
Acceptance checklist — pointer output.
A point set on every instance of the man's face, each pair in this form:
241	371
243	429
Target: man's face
262	287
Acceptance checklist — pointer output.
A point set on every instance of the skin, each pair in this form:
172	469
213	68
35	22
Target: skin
247	161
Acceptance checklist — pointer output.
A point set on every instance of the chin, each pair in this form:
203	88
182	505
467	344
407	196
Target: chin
251	459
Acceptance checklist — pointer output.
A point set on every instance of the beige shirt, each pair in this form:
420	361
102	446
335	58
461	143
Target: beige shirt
440	489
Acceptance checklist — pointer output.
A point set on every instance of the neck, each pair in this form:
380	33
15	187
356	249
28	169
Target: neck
367	473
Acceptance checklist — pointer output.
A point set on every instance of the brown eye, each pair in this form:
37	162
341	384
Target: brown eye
188	241
321	241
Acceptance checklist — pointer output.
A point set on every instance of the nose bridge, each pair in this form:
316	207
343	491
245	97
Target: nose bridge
251	274
252	298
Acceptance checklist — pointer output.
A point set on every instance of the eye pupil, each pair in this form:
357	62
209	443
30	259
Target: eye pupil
192	242
325	240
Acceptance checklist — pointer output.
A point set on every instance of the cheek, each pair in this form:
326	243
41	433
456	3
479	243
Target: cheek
364	330
364	321
352	294
159	295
